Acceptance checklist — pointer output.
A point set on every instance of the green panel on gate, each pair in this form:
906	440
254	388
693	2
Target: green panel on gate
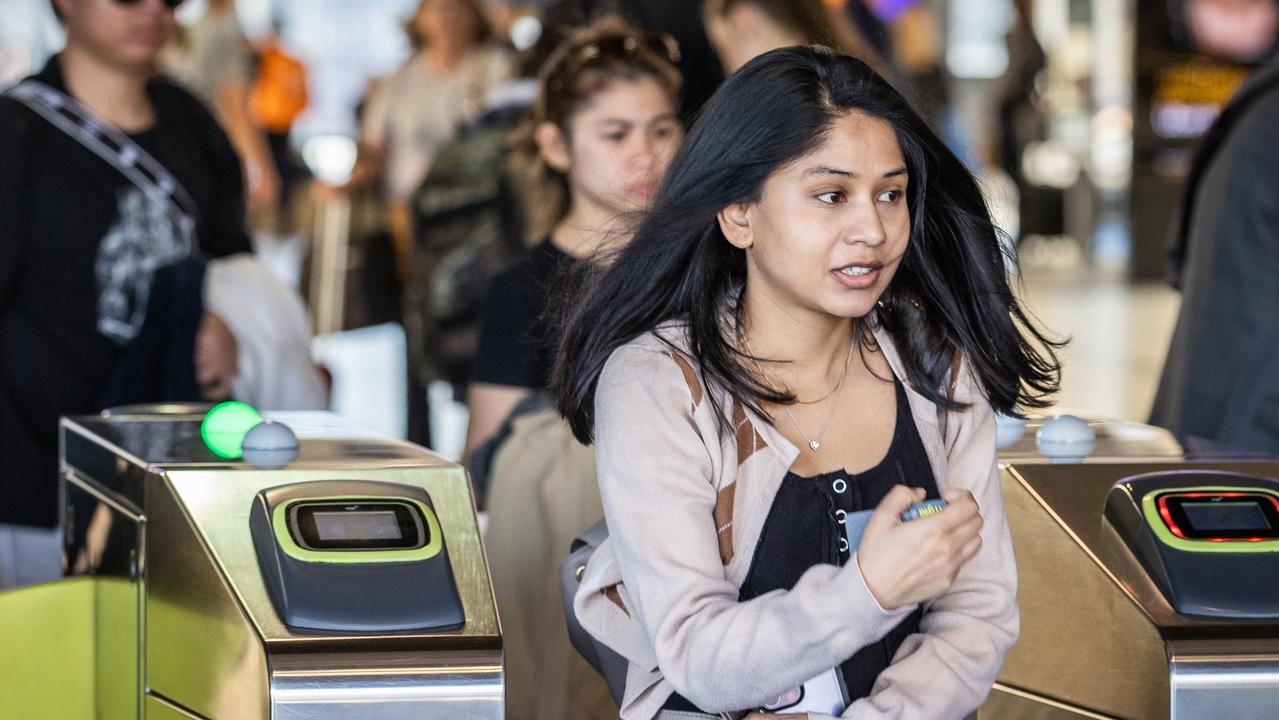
47	650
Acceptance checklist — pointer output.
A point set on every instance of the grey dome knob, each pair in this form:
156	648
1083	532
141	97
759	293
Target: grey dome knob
1066	438
270	445
1008	430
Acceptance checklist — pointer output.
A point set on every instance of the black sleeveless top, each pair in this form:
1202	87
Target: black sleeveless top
804	528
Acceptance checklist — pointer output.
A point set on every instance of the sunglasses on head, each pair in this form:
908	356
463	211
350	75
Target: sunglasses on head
660	44
171	4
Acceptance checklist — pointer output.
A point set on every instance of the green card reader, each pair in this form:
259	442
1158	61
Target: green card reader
355	556
1209	539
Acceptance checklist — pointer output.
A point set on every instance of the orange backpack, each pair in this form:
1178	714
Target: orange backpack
278	95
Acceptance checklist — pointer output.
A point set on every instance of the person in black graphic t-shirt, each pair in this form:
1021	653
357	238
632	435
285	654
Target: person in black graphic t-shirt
80	244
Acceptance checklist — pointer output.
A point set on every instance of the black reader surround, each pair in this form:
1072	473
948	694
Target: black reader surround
1209	559
406	585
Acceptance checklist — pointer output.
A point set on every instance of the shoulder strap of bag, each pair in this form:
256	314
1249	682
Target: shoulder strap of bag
135	164
594	536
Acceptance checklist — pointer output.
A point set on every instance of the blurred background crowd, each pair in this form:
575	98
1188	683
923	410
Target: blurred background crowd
375	139
420	176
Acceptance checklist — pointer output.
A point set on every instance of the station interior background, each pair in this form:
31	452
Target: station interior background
1102	136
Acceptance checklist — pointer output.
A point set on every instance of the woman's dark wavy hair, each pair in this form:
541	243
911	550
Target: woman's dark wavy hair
949	298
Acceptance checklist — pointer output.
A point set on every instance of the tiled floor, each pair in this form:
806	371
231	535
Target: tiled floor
1118	332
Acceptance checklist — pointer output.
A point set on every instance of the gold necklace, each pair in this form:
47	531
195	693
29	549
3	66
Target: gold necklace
814	443
811	402
741	338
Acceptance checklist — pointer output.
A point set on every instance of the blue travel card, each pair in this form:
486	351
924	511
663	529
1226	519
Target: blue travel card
855	522
854	526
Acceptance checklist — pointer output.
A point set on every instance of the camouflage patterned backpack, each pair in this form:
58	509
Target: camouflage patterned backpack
467	228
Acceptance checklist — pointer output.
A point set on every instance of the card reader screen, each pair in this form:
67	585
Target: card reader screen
357	525
373	525
1213	517
1221	516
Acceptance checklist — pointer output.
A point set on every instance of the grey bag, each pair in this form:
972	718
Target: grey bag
601	657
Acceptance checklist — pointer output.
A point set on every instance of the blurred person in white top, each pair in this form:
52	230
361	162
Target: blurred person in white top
415	111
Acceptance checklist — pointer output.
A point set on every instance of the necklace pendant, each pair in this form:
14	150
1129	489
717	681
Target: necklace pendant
814	445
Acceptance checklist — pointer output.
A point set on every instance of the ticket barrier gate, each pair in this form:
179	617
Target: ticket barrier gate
1148	583
350	583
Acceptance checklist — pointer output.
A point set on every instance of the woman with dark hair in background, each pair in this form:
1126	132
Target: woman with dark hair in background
813	319
595	149
681	19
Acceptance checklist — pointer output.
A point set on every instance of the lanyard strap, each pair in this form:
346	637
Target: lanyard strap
107	142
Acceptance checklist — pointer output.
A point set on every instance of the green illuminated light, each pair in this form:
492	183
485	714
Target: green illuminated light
225	426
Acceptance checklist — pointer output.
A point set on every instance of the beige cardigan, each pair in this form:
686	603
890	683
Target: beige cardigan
685	506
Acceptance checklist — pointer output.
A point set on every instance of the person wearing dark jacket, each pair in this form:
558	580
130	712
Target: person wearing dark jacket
1220	383
83	234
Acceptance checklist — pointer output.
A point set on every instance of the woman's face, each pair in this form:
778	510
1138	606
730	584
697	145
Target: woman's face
619	145
831	228
452	19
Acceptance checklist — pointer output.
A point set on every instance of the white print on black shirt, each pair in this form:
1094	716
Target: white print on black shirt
143	239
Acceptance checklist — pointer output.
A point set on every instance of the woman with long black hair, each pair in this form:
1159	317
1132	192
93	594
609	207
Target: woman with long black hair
814	319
